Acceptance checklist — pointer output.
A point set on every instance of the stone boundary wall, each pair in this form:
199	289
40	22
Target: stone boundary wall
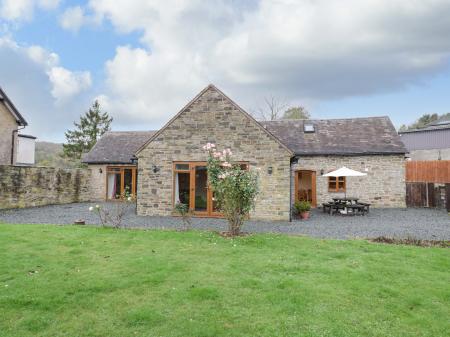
38	186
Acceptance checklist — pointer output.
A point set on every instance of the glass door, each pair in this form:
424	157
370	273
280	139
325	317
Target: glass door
191	188
120	182
202	200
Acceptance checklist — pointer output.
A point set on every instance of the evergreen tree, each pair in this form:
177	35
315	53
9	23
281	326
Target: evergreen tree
87	131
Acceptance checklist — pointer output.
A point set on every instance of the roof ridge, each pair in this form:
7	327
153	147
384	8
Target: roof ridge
323	119
130	131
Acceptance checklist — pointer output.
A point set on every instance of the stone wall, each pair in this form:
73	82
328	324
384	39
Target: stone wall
384	185
213	118
98	182
7	125
434	154
38	186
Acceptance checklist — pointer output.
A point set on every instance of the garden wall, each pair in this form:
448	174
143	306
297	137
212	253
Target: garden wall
37	186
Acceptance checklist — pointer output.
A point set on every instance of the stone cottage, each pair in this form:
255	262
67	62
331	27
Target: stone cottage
292	156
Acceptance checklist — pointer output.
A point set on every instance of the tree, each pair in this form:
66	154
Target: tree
272	108
86	133
296	112
235	188
421	122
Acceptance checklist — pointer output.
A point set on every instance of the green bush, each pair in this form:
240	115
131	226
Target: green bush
301	207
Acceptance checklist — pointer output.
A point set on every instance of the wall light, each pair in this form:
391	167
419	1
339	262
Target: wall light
322	172
270	170
155	169
100	170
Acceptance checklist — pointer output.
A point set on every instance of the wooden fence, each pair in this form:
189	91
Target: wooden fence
437	171
428	184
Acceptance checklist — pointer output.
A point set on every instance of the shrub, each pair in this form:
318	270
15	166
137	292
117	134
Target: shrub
234	188
301	207
185	213
113	217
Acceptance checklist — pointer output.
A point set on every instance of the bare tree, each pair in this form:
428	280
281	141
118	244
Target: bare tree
272	109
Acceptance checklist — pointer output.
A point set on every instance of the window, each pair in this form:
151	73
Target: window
336	184
190	187
120	181
308	128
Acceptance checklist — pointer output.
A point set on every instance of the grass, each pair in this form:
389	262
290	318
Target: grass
86	281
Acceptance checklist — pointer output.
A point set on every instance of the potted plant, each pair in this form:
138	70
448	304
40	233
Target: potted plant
302	208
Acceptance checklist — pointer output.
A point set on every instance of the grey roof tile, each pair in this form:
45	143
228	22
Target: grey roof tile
117	147
352	136
373	135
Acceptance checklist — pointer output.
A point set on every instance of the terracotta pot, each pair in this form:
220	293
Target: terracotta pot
304	215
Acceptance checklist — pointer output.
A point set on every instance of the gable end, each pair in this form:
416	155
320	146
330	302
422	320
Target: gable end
187	106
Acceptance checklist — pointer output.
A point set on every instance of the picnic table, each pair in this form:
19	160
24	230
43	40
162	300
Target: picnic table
346	200
346	206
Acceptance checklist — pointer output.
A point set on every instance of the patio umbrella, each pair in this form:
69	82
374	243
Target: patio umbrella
345	172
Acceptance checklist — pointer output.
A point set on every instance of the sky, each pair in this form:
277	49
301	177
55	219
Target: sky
145	59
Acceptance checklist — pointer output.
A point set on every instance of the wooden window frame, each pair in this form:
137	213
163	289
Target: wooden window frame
336	181
121	169
192	165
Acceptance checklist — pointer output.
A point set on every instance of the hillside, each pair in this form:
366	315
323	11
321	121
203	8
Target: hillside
50	154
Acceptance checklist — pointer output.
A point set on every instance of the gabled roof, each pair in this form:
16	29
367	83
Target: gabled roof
187	106
353	136
117	147
12	109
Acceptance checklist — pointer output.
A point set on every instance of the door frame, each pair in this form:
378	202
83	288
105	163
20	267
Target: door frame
121	170
313	186
209	202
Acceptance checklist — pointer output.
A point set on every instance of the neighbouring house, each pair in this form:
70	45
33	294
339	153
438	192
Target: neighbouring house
431	142
292	156
15	148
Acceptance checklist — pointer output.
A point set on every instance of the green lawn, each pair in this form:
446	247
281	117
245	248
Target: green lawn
86	281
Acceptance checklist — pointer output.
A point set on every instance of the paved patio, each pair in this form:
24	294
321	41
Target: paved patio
428	224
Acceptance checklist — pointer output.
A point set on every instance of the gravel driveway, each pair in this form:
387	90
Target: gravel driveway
400	223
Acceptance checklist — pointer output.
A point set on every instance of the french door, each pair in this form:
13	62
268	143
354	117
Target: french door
190	187
120	182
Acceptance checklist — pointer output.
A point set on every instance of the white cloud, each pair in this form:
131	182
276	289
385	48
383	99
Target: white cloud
66	84
43	56
72	19
37	83
22	10
302	50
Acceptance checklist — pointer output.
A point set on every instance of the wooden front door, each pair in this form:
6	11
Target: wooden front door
191	187
305	186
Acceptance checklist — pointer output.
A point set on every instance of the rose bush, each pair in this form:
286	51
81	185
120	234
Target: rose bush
234	187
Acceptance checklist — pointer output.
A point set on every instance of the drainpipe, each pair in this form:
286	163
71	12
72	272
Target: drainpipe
290	192
294	160
290	188
13	142
134	160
